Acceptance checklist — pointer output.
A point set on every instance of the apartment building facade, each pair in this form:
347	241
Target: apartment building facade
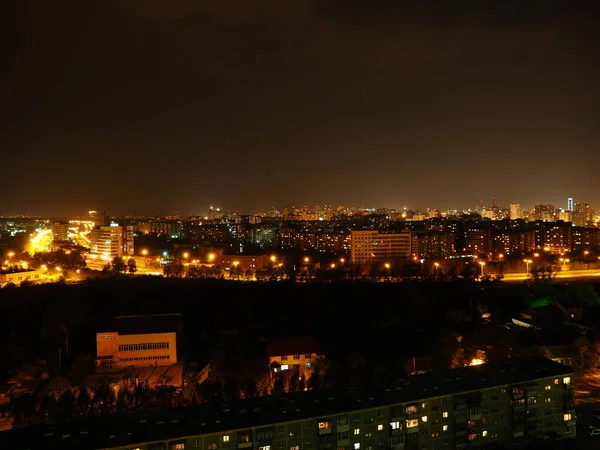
369	246
504	402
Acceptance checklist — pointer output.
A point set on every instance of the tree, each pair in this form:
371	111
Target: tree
173	270
118	265
131	266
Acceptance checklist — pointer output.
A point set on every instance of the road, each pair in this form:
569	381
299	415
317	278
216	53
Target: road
563	274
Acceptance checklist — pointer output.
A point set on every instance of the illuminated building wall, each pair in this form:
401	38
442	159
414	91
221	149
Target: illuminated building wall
370	246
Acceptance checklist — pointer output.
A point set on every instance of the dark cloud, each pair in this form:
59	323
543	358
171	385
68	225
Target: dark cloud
150	106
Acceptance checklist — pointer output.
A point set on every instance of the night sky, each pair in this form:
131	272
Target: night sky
155	106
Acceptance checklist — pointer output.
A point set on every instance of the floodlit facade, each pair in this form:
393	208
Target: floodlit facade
18	276
367	246
508	402
107	242
515	211
140	341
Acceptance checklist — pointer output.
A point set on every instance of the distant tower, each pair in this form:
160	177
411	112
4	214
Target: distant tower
570	205
515	211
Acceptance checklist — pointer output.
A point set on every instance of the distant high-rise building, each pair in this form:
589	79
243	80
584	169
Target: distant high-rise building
582	214
107	242
570	205
515	211
544	213
60	231
98	217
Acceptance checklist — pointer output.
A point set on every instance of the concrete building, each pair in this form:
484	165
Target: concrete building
368	246
139	341
60	231
107	242
514	211
20	275
510	402
244	262
293	353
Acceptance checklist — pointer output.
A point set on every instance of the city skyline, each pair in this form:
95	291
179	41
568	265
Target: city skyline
478	206
145	107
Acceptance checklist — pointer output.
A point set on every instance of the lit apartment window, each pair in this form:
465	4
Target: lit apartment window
394	425
472	437
547	388
380	427
548	400
423	405
295	447
356	446
445	414
567	380
424	419
413	409
484	433
265	447
284	367
556	381
324	425
356	431
411	423
567	417
226	438
444	427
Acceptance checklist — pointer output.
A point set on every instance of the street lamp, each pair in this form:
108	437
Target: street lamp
236	263
145	252
436	265
536	255
186	255
527	262
211	257
342	260
482	264
306	259
332	265
387	265
273	258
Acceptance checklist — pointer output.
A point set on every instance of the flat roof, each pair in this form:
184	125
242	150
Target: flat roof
148	324
138	428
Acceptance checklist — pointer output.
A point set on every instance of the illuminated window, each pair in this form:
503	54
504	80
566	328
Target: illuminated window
444	427
423	405
472	437
284	367
567	380
445	414
411	423
567	417
356	431
356	446
226	438
484	433
547	388
380	427
548	400
413	409
324	425
394	425
265	447
556	381
424	419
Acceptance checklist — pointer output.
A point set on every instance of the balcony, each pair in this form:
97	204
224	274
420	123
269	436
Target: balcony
245	444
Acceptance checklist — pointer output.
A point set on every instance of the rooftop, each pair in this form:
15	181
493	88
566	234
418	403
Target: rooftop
293	346
148	324
135	428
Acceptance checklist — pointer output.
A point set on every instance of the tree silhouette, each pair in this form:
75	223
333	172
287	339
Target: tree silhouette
118	265
131	266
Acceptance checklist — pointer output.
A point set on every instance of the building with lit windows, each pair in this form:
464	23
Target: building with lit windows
108	242
17	276
367	246
504	402
139	341
60	231
294	354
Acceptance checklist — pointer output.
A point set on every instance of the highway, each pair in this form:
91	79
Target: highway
562	275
